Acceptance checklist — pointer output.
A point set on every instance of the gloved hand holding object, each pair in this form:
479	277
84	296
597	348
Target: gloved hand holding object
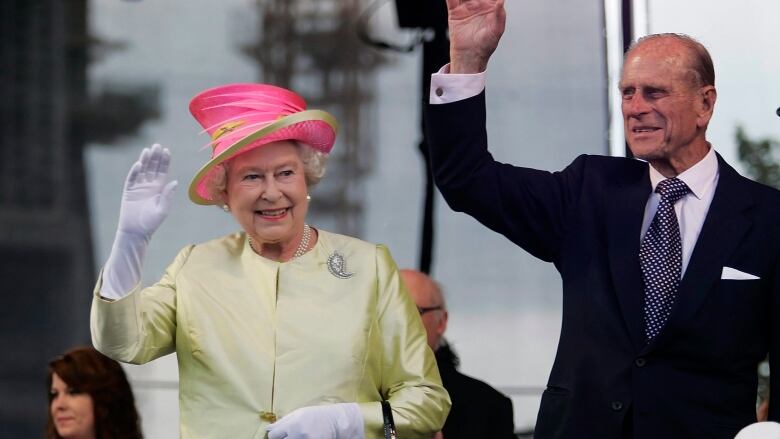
333	421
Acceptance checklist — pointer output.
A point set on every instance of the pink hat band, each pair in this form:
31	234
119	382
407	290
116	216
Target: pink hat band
242	117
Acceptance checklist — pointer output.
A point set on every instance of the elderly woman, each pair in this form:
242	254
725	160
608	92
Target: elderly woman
90	398
283	328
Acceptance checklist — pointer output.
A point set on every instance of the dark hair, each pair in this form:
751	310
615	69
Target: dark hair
88	371
700	60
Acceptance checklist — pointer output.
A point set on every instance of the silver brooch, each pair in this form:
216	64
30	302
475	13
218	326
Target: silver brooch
337	266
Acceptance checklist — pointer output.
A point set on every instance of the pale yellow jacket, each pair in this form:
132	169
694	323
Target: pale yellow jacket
256	339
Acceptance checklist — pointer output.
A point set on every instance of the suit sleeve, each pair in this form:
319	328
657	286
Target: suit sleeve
410	378
528	206
774	349
505	419
140	326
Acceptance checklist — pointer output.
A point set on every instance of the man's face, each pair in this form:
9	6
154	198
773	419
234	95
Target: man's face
664	112
425	294
435	321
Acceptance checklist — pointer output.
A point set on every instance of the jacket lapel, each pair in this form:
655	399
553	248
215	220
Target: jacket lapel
723	229
624	215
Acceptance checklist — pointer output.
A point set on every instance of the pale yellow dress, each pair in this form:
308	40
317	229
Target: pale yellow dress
256	339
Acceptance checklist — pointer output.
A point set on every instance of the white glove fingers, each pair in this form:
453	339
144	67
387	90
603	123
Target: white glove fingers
154	162
165	162
132	176
144	160
276	434
277	430
148	194
281	428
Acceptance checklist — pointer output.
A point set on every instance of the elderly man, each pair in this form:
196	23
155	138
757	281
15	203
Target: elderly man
670	265
478	410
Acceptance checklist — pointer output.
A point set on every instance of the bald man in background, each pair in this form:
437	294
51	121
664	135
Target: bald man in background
478	410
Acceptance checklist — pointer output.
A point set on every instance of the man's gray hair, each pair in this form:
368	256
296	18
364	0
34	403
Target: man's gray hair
701	62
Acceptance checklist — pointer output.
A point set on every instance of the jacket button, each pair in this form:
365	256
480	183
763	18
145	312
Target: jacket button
640	362
268	417
617	406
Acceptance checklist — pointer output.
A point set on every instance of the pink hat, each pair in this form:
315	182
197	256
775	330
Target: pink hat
242	117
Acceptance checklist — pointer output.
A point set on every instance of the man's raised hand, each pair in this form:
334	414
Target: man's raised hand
475	27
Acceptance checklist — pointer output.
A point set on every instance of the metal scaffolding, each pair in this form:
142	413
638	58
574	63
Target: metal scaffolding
310	46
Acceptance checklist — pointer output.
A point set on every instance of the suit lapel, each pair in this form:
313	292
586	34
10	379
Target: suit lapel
624	223
723	229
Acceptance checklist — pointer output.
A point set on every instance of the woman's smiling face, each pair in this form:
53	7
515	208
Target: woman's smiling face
266	192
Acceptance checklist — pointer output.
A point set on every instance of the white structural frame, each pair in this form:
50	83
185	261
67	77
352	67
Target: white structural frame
613	12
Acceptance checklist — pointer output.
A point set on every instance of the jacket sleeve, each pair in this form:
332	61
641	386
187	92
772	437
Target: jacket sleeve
528	206
410	377
774	348
140	326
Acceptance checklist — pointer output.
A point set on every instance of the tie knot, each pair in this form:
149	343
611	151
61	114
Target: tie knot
672	189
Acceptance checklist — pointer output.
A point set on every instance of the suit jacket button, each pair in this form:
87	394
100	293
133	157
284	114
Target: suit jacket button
617	406
640	362
268	417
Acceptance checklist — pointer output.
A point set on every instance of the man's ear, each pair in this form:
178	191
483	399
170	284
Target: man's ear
705	103
442	326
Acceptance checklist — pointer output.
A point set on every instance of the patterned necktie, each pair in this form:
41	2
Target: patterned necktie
660	257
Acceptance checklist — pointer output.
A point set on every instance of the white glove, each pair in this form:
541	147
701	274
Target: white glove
146	200
760	430
334	421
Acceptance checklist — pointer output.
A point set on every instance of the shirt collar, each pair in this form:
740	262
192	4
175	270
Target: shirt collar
700	177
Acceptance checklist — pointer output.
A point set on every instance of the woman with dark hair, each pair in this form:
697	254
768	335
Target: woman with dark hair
90	398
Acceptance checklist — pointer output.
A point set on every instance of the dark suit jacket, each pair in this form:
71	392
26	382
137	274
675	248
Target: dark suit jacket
478	410
697	379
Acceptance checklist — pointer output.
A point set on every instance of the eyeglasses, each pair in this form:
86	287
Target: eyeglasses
422	310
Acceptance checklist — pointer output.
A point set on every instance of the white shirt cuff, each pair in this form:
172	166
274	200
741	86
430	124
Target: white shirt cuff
449	87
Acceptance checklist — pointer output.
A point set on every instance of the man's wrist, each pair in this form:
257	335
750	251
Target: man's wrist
467	65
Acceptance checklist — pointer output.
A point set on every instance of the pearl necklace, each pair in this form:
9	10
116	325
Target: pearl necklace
303	246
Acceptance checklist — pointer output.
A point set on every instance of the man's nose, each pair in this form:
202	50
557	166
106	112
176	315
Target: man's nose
635	106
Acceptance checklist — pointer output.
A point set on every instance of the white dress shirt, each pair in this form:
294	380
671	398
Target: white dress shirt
701	178
449	87
691	209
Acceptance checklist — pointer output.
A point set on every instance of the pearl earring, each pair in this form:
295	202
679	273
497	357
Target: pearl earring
308	197
226	208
